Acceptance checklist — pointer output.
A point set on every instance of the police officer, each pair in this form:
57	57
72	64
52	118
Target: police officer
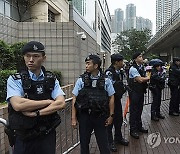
157	84
115	74
138	84
93	105
34	97
174	84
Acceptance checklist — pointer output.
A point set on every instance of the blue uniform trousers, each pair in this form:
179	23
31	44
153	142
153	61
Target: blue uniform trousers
156	103
117	121
45	144
175	99
87	123
136	107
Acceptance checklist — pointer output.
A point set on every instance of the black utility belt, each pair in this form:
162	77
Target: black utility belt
31	134
94	113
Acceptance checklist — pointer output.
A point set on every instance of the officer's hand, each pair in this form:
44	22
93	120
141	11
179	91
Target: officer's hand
74	123
29	114
109	121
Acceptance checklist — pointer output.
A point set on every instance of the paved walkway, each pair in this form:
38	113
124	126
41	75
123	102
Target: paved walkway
169	129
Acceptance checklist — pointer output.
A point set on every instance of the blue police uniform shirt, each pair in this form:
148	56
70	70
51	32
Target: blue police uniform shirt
80	84
110	75
133	72
14	87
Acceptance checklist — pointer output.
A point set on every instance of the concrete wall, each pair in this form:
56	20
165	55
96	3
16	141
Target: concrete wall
39	12
64	48
8	30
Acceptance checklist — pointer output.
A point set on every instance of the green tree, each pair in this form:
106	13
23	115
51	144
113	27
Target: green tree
6	56
131	41
18	58
23	7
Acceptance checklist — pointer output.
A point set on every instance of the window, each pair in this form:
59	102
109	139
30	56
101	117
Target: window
7	9
51	16
1	7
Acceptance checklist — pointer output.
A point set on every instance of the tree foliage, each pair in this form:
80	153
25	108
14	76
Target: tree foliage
10	56
131	41
6	56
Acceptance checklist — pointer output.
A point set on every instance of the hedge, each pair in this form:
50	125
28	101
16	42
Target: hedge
4	74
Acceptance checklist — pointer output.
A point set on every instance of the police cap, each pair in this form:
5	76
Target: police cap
33	46
94	58
136	54
116	57
176	59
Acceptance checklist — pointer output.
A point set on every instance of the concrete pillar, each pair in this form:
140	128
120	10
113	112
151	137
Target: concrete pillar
176	52
39	12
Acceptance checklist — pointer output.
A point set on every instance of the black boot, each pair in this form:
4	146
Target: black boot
112	147
160	116
154	116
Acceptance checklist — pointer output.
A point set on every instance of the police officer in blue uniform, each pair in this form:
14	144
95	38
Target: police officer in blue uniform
138	84
115	74
34	97
93	105
174	84
157	84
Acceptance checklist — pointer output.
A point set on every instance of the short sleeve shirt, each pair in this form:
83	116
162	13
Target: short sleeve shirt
80	84
14	87
133	72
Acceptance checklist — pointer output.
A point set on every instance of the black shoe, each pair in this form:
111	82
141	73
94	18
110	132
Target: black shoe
143	130
160	116
122	141
134	135
174	113
154	118
113	147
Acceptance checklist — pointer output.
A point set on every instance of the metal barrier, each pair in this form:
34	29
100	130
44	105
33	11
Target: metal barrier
165	95
67	138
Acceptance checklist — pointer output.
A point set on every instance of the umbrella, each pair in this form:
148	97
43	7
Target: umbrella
153	61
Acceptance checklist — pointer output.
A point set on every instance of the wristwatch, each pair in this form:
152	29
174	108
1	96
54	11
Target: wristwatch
112	115
37	113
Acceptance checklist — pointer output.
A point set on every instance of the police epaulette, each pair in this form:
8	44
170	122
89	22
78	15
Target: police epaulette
16	76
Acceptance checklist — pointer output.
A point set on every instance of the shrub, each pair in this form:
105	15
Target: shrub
4	74
58	76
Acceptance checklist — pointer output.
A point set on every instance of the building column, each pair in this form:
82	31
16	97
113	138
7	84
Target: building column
39	12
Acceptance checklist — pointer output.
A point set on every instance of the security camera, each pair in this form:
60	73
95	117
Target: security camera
83	37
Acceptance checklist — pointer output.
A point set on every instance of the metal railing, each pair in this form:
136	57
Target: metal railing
164	28
165	95
67	137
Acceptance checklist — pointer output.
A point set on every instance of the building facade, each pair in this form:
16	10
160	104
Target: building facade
97	15
35	10
130	16
164	11
119	20
142	23
65	49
